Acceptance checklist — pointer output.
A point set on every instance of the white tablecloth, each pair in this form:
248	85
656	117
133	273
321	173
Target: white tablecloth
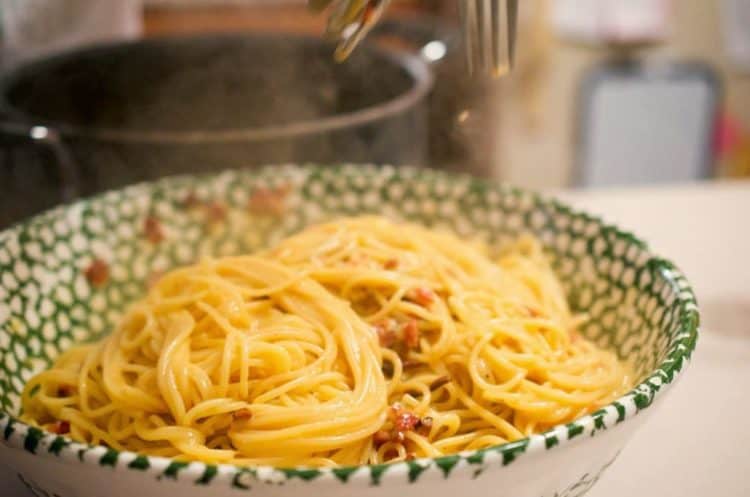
697	443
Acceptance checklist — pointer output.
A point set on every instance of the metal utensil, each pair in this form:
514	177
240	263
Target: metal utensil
489	28
350	21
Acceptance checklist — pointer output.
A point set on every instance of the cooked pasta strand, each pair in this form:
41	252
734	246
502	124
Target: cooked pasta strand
357	341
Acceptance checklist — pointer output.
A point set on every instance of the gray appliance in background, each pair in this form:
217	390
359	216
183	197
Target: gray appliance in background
644	123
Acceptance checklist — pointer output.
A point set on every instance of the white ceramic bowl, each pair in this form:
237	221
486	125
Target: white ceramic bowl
640	306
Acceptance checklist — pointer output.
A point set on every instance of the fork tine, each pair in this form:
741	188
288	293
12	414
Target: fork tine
470	32
501	37
486	29
489	35
512	24
497	41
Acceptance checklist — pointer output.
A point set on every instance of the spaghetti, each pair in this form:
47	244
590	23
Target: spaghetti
357	341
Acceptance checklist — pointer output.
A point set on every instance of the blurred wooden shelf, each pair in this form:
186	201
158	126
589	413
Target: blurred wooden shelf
167	20
232	18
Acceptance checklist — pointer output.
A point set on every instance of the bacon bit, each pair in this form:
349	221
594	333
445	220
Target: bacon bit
243	413
381	437
152	229
215	212
422	296
532	312
406	421
386	333
387	369
391	264
399	436
411	334
190	201
97	273
439	382
424	426
269	201
410	456
390	455
60	427
403	420
411	364
154	278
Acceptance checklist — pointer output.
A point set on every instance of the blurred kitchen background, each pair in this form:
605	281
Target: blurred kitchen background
604	93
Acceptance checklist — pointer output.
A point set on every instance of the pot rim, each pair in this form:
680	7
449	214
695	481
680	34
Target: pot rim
418	70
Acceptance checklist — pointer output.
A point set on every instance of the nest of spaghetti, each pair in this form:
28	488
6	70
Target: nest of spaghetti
358	341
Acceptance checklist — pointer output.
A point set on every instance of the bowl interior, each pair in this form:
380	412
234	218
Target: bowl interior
636	302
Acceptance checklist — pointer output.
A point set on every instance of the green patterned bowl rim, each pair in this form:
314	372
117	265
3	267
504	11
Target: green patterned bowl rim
18	435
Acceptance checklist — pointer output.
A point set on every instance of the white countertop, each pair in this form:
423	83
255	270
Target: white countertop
696	443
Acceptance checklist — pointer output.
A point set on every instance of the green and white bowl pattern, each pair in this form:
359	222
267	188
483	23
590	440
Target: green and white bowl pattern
640	306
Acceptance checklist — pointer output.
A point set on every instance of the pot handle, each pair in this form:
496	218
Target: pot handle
15	133
433	38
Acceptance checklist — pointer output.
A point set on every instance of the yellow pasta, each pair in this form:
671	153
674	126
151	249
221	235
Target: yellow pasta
358	341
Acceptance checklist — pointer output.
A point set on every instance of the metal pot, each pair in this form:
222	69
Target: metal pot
126	112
